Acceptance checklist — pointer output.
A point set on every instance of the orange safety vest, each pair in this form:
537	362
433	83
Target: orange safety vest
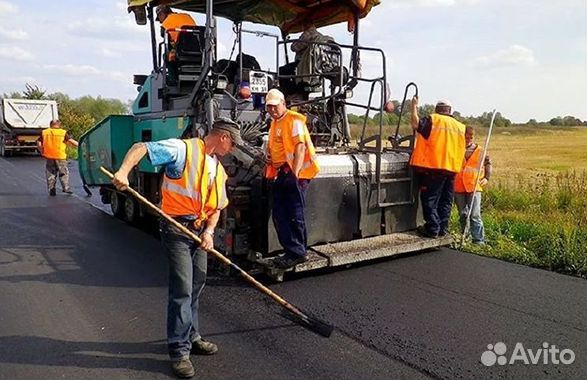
176	20
186	195
470	176
54	143
283	128
445	147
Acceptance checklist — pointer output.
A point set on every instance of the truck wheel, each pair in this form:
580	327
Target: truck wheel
2	148
117	204
131	210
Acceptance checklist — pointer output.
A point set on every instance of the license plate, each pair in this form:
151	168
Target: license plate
28	138
258	82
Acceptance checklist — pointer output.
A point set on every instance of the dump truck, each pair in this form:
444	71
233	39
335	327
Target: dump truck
21	123
363	204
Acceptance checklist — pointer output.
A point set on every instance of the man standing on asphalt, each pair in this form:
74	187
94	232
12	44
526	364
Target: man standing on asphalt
52	144
193	193
438	155
292	164
469	185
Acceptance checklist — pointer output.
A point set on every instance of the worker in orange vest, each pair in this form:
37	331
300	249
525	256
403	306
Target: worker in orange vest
469	184
291	166
193	192
169	22
52	145
436	159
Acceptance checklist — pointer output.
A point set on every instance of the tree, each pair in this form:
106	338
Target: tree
98	108
33	92
74	120
556	121
571	121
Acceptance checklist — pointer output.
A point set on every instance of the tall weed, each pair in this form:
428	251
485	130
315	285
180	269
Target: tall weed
539	221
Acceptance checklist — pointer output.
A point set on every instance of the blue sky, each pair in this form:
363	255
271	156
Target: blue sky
527	59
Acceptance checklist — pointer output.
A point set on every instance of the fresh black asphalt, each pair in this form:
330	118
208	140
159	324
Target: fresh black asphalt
83	295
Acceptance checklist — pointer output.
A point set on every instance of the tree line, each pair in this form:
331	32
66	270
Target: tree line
76	115
80	114
482	120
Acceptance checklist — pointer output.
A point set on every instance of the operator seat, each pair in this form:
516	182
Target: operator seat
189	53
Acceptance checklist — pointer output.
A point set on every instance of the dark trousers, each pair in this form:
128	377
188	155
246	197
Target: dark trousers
436	195
187	277
289	196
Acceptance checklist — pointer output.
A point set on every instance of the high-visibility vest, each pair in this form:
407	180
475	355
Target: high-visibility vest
284	129
445	147
174	21
186	195
54	143
470	176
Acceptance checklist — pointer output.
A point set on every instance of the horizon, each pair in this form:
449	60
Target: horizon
480	54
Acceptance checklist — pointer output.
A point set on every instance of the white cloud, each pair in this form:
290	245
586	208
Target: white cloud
17	80
106	28
121	5
74	70
511	56
85	71
106	52
17	34
15	53
6	7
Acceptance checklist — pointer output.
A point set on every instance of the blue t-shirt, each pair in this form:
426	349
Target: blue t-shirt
169	153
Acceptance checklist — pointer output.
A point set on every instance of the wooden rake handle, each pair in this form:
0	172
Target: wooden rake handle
211	251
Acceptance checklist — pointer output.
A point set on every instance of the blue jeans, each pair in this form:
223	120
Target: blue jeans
187	277
476	229
289	197
436	195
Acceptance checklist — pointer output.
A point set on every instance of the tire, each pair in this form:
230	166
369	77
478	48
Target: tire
131	210
117	204
2	148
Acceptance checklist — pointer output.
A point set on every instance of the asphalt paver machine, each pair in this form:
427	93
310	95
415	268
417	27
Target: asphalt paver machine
363	205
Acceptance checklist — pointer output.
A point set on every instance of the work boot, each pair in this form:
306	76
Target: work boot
52	192
286	261
423	231
203	347
183	367
67	191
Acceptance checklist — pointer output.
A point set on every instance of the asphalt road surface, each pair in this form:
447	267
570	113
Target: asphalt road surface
83	296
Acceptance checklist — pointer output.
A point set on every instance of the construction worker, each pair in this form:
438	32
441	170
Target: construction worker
292	164
469	184
193	193
438	156
52	145
170	20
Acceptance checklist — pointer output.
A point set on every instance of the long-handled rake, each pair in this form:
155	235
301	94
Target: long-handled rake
481	163
302	318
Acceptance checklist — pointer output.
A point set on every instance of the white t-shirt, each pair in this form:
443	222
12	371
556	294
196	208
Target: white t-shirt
212	164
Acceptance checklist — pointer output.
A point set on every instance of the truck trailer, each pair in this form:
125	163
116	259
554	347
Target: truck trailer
21	123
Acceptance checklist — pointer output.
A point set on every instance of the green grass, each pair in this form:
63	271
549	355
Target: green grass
538	220
535	206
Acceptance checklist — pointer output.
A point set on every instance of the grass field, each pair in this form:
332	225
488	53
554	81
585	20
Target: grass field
536	151
535	206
